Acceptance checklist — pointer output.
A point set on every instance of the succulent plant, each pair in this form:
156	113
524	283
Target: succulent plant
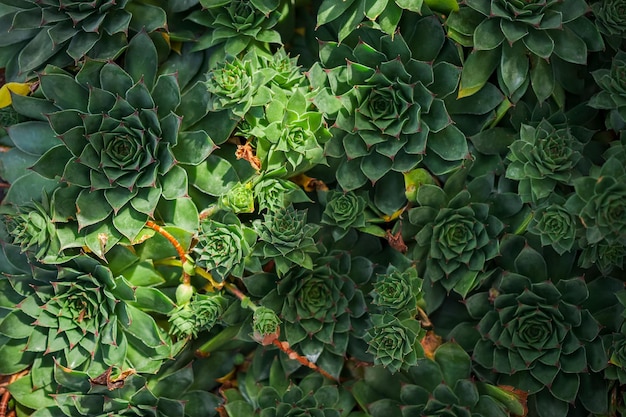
286	238
612	96
610	20
555	225
224	245
237	25
395	344
313	395
239	199
600	201
30	227
603	255
323	311
528	42
344	211
543	157
78	316
265	323
387	104
536	336
114	140
455	235
397	291
171	392
441	386
35	33
350	14
201	313
273	194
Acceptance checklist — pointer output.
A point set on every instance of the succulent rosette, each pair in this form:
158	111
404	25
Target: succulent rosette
323	311
265	325
556	226
528	42
611	20
239	199
35	33
113	139
201	313
273	194
600	201
223	246
385	95
344	211
286	238
441	386
397	291
603	255
395	344
78	316
612	96
455	235
536	336
543	157
237	25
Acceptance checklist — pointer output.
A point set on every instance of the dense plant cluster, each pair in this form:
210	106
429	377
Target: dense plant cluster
312	208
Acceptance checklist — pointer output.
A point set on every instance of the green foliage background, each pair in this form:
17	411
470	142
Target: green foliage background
330	208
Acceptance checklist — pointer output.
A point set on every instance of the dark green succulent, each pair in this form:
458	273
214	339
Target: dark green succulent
350	14
312	396
611	20
201	313
528	42
323	311
114	140
30	227
224	245
555	225
442	387
286	238
600	201
397	292
77	316
543	157
385	95
536	336
237	25
612	96
603	255
273	194
172	392
395	344
456	236
36	33
344	211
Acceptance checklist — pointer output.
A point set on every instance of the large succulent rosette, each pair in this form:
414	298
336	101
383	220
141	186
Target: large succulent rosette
387	105
78	316
323	311
555	225
111	136
611	20
456	236
528	43
536	336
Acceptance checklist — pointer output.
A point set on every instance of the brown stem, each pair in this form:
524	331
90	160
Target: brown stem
284	346
6	396
175	243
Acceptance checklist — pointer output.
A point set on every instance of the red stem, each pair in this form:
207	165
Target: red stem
179	249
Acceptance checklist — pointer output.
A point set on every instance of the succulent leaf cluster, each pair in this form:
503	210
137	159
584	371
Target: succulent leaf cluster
525	42
323	311
455	237
612	94
286	238
441	386
387	104
201	313
535	334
